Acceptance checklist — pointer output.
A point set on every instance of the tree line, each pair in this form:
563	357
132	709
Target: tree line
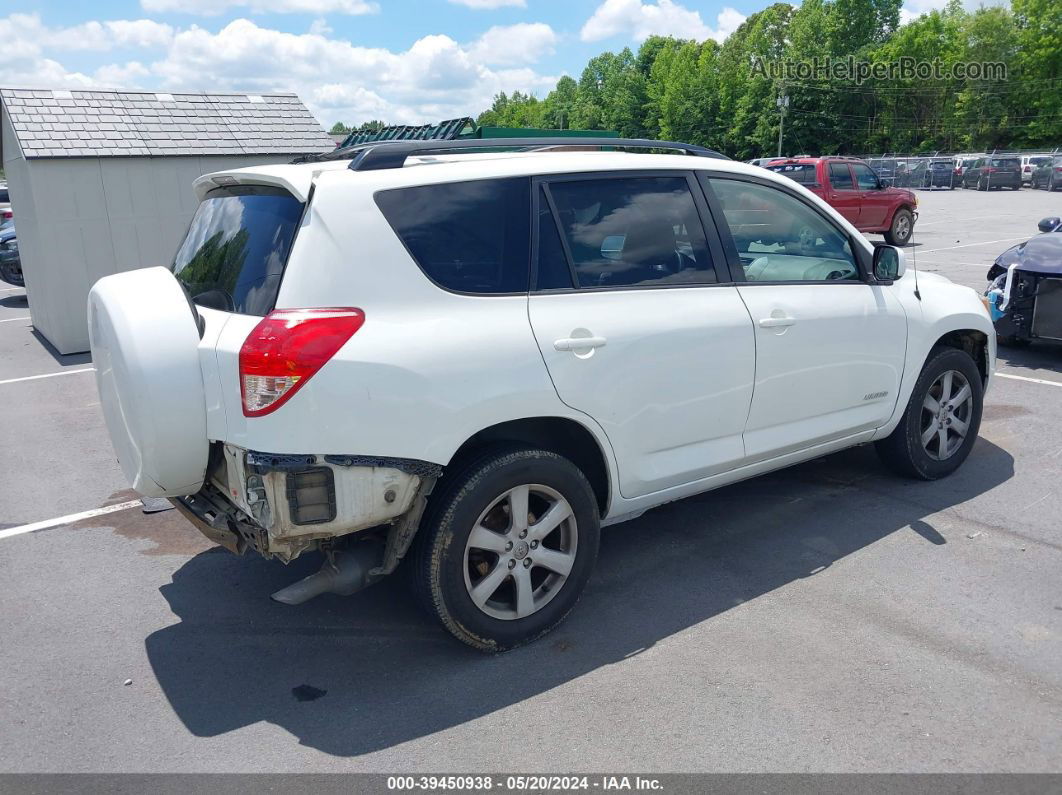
721	96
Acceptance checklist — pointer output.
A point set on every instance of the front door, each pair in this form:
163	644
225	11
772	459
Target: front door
638	327
843	194
830	346
875	199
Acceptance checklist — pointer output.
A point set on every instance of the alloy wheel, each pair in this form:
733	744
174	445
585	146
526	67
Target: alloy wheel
520	552
947	410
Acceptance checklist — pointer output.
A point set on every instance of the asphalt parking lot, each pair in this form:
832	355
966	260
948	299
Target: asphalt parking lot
829	617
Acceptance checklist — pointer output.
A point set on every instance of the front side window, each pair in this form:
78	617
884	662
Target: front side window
781	239
866	179
234	254
470	237
841	177
633	231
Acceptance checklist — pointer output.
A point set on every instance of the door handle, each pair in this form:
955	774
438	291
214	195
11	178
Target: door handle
577	343
775	322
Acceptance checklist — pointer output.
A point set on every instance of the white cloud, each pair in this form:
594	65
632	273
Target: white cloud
639	20
215	7
489	5
913	9
514	44
436	78
26	32
320	27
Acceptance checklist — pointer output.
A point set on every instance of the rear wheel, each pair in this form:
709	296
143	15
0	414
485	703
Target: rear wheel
899	233
940	424
507	547
982	185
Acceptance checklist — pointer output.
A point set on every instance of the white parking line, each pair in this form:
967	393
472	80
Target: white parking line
10	289
13	319
48	375
1030	380
984	243
68	519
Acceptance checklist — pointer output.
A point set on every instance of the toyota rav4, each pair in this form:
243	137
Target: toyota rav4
466	362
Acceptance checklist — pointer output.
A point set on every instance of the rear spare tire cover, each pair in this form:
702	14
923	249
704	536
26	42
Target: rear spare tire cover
145	348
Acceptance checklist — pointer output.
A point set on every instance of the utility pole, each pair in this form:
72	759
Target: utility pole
782	102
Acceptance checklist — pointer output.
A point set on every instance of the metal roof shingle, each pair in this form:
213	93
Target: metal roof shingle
123	123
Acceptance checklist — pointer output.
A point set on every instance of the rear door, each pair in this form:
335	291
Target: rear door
829	346
638	324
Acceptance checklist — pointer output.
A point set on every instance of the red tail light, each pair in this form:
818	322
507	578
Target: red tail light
1058	169
991	170
286	348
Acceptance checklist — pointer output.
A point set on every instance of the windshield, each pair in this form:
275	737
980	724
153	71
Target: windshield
237	245
804	173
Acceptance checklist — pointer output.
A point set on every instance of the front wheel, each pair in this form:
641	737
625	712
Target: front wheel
899	233
507	547
939	426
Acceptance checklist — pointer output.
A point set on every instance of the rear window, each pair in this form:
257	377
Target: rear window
469	237
1038	161
939	166
234	253
1005	162
804	173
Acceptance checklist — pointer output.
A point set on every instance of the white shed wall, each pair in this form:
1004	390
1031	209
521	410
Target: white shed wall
80	219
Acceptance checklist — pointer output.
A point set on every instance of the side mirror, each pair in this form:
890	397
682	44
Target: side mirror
1049	224
889	263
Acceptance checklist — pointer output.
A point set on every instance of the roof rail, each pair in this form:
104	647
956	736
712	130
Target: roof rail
377	155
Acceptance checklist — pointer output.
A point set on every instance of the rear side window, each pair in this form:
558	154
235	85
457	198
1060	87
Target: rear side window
237	245
633	231
470	237
804	173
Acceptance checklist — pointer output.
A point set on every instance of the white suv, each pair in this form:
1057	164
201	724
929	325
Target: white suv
471	361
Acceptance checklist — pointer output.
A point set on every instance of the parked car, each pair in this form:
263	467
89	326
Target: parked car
1048	175
884	168
853	188
939	174
10	263
474	363
1024	296
961	166
1029	164
996	172
6	213
761	161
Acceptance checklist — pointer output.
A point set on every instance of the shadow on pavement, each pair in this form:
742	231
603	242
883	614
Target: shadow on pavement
349	676
1039	355
62	359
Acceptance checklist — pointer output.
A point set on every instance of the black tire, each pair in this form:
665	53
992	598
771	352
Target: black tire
982	185
902	450
896	236
439	568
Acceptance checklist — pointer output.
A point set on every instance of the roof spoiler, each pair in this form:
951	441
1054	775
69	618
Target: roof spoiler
375	155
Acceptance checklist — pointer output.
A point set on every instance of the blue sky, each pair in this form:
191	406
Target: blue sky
351	60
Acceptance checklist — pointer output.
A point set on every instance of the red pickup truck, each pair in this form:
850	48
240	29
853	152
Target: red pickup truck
855	190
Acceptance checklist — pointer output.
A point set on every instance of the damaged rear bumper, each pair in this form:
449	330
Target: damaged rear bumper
281	505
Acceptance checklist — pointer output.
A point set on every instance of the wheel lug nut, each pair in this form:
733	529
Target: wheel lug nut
508	545
534	545
512	564
523	534
527	563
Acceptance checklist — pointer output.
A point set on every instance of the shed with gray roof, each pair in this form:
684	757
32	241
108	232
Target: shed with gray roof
101	181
